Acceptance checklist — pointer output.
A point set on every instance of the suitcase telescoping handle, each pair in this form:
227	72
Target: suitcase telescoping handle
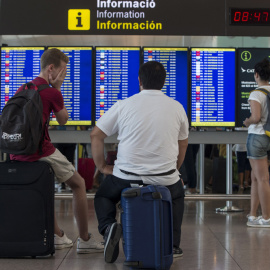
132	192
136	192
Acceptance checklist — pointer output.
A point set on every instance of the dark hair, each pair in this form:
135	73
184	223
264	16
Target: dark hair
263	69
52	56
152	75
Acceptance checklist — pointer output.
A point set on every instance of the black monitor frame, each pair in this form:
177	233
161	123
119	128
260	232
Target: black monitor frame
190	72
94	73
188	112
79	123
14	47
239	121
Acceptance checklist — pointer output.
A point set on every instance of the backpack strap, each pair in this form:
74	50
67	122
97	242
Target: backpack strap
262	90
42	87
31	85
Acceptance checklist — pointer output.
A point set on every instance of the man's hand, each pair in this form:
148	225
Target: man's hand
107	169
182	182
58	81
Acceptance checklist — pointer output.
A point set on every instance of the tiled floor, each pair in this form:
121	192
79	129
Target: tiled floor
209	241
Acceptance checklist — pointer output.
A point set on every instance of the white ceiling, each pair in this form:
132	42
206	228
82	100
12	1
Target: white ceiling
95	40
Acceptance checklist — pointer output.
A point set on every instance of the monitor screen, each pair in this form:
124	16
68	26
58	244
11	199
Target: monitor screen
213	87
19	65
77	86
117	71
175	62
247	59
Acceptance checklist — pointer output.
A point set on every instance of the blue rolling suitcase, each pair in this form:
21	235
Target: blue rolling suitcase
147	227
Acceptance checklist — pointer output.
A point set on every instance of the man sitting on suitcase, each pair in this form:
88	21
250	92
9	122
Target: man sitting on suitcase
153	133
53	71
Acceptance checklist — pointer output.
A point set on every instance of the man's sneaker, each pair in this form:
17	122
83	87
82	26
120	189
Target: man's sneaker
111	237
259	223
177	252
90	246
62	242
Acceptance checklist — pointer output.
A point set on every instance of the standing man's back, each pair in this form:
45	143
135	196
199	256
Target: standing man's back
153	133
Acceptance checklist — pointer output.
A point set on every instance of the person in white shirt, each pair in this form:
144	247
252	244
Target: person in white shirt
153	137
258	146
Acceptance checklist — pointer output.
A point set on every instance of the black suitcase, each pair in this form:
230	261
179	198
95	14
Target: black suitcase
26	209
219	175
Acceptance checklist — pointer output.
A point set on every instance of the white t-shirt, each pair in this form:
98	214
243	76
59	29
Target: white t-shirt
261	98
149	125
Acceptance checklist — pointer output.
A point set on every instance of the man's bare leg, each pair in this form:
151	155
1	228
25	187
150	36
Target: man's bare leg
80	207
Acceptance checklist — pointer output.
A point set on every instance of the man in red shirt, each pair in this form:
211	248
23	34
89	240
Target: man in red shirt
53	72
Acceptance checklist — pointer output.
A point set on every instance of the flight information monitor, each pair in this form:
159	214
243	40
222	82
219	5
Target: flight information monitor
117	71
19	65
77	86
247	59
175	62
213	87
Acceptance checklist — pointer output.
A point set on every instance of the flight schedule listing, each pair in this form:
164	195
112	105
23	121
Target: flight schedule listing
175	62
116	75
77	86
213	87
19	65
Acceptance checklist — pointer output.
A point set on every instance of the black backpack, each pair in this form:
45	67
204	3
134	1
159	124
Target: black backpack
266	126
21	123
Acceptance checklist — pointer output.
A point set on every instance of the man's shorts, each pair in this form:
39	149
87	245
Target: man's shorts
258	146
62	168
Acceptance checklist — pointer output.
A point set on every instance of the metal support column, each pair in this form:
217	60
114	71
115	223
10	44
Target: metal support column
229	207
76	157
202	148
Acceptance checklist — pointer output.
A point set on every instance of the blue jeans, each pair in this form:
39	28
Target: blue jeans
258	146
109	194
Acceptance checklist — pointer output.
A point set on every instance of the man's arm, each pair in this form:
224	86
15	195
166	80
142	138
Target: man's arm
62	116
182	144
97	148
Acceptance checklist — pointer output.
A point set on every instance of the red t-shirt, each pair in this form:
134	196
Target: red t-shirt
52	100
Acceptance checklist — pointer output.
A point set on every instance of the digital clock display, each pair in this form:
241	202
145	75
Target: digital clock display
250	16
